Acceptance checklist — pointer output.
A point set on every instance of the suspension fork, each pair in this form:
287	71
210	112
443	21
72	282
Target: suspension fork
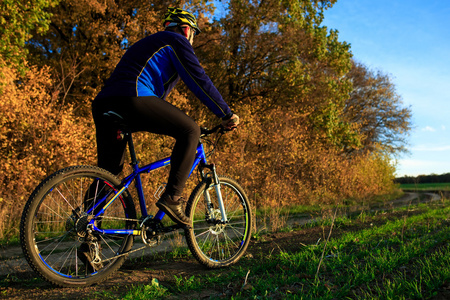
216	184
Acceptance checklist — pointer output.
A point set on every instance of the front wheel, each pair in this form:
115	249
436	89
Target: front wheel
213	243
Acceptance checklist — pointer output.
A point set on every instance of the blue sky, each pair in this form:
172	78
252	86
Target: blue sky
410	41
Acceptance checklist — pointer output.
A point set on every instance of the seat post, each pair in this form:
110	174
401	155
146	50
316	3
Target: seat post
134	161
123	133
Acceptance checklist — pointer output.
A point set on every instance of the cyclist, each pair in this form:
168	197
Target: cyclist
137	89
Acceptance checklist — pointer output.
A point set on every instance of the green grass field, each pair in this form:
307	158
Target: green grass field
378	257
426	186
395	254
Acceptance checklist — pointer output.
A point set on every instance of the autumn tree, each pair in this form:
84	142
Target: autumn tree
378	109
303	103
87	38
36	139
36	136
18	20
276	55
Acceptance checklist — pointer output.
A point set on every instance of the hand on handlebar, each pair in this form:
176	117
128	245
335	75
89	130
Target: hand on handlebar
231	123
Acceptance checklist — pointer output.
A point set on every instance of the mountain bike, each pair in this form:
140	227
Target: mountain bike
79	224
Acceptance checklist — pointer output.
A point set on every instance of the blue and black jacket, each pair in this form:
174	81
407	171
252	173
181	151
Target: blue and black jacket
152	67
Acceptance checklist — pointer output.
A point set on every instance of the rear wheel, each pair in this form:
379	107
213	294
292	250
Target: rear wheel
213	243
56	239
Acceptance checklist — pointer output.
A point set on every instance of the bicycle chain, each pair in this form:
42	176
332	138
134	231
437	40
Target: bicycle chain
131	251
124	254
117	218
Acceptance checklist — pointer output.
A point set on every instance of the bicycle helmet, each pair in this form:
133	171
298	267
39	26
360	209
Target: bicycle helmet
177	16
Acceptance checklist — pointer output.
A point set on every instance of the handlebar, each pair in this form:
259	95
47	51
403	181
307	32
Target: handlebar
219	128
206	131
231	124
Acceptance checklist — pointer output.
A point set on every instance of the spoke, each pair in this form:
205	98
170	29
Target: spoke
81	196
56	240
206	238
227	237
47	214
234	214
65	199
107	244
76	261
218	247
237	223
52	250
67	257
200	234
229	254
237	232
46	222
51	209
95	197
222	248
59	258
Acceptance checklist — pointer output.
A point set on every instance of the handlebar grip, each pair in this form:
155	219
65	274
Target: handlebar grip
206	131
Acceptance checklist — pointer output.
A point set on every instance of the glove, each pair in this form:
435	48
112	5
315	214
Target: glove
231	123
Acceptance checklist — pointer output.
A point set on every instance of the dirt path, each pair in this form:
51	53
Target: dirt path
13	262
19	282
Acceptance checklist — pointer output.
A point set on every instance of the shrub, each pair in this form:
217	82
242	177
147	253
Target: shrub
37	137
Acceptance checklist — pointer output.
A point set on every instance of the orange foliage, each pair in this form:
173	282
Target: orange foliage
37	138
274	155
280	164
295	145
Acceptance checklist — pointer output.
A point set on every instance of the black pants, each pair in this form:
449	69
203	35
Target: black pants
150	114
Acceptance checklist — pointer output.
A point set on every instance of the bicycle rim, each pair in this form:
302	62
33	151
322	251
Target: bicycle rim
55	233
215	244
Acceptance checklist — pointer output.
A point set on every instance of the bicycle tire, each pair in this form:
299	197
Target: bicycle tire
54	231
213	244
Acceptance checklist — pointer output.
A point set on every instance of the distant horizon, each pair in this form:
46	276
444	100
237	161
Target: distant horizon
410	176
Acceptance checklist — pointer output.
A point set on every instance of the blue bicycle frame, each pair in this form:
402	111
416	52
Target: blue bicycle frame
200	158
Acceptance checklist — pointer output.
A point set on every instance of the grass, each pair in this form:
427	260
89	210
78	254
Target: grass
149	291
426	186
405	258
315	209
374	256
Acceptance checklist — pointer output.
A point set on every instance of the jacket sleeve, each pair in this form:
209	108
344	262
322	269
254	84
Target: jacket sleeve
192	73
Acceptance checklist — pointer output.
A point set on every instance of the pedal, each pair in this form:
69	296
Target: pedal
151	238
159	191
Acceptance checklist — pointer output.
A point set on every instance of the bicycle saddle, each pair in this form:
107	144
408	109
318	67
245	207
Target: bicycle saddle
116	119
